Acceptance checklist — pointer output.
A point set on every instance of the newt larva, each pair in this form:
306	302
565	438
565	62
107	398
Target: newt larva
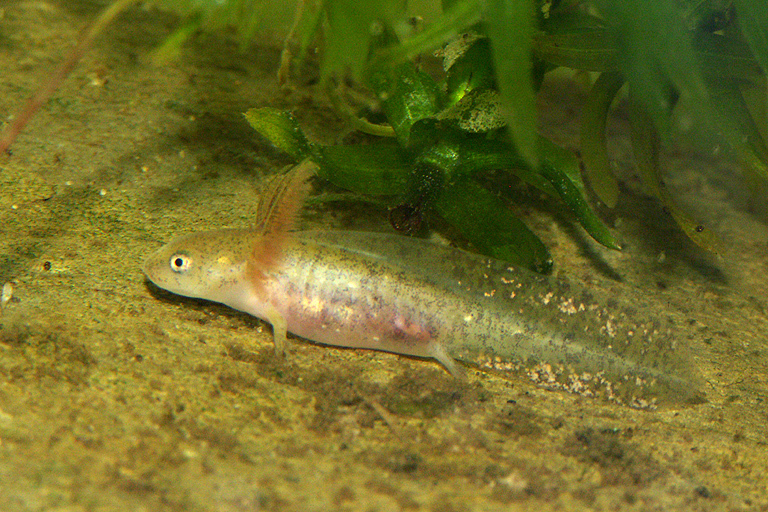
418	298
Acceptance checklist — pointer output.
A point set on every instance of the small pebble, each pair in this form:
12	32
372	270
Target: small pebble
6	294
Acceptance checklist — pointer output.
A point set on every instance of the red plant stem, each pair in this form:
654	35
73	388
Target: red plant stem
66	67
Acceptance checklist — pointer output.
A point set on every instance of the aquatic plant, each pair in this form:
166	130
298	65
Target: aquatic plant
700	62
697	59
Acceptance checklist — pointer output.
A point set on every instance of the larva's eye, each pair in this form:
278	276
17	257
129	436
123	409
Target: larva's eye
180	262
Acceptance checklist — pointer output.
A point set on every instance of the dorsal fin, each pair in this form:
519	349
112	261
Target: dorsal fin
276	214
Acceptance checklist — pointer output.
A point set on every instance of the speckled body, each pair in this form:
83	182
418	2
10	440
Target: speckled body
413	297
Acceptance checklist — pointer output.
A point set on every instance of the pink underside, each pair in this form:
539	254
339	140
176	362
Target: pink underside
358	325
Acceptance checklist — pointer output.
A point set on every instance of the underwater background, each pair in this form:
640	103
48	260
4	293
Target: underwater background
115	396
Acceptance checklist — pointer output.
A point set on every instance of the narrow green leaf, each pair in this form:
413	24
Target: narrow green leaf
753	19
739	126
645	142
565	19
755	100
570	194
510	26
170	49
247	17
563	160
588	50
281	129
456	18
376	169
352	25
490	225
594	151
308	22
724	58
656	55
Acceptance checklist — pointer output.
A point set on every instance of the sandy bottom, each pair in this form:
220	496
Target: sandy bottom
116	396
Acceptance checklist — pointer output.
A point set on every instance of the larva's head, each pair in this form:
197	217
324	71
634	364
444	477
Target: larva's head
204	265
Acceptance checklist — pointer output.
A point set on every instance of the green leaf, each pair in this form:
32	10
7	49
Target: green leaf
469	64
462	157
352	25
563	160
740	126
170	49
725	58
407	96
490	225
570	194
281	129
594	151
456	18
478	111
588	50
645	142
380	169
247	17
510	26
753	19
309	17
656	55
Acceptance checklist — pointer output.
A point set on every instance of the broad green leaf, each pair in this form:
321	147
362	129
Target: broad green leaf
510	26
594	152
380	169
570	194
407	96
645	142
478	111
469	64
281	129
491	226
463	157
